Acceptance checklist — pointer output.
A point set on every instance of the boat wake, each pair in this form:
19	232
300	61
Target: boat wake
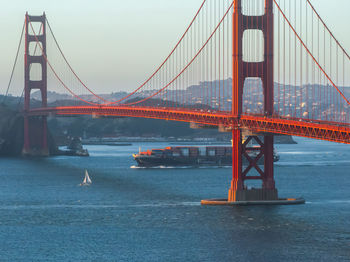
313	163
339	201
313	153
179	167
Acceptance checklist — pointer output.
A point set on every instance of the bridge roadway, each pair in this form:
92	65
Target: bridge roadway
324	130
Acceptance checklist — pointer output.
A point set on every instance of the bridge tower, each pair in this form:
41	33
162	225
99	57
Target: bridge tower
241	71
35	128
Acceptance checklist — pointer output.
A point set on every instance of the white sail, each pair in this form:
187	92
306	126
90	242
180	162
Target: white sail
87	178
87	181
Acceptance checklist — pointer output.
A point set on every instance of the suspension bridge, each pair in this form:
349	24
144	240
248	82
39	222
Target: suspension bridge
248	67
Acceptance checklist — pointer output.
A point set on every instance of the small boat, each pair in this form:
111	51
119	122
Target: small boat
87	181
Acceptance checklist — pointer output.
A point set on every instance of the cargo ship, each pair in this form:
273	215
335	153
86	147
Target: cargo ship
194	156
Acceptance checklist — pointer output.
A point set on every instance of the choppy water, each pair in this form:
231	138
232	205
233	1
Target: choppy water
132	214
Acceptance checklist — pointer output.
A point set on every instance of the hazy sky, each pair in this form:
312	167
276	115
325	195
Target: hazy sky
116	44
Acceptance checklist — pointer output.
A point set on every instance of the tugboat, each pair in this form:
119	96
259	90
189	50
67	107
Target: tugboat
193	156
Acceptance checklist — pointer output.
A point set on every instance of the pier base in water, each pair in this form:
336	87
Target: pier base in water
255	197
281	201
256	194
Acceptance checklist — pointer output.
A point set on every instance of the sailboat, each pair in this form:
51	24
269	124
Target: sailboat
87	181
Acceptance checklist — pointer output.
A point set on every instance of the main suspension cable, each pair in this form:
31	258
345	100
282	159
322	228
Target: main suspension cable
186	67
309	52
51	67
70	67
171	53
107	102
14	64
327	28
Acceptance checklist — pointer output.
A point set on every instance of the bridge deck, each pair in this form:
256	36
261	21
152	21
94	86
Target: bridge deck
260	124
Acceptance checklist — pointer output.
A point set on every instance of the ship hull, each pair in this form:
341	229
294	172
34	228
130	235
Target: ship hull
149	161
194	156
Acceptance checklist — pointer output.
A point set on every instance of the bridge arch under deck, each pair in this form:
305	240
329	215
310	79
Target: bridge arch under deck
287	126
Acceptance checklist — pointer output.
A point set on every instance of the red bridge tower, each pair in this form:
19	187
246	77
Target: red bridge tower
35	128
241	71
